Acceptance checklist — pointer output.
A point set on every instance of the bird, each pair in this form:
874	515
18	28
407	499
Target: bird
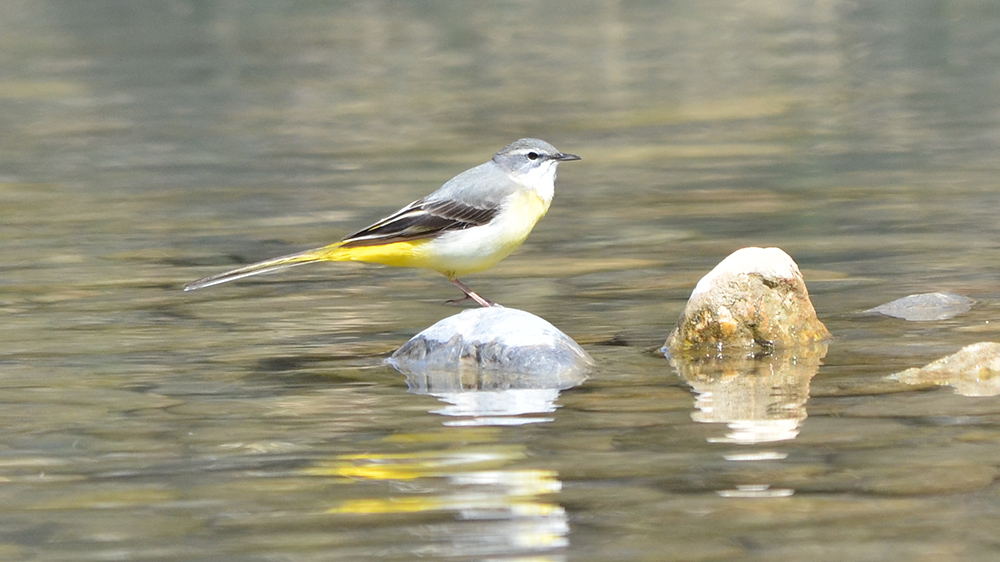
468	225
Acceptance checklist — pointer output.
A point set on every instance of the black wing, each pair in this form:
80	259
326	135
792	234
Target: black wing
421	219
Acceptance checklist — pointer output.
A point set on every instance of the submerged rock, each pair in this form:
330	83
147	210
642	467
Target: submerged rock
925	307
491	348
973	371
754	299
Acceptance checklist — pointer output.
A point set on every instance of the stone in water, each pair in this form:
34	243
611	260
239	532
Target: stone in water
973	371
491	348
754	299
925	307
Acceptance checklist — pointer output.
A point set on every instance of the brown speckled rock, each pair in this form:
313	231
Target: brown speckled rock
973	371
754	299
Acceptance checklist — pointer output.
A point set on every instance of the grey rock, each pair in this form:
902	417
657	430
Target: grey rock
925	307
493	366
491	348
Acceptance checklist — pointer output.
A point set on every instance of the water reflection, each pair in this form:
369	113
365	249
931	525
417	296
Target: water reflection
498	510
146	138
479	397
470	494
761	399
502	407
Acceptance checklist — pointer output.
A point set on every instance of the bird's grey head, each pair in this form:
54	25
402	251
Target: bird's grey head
531	157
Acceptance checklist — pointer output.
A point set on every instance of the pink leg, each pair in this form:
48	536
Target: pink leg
470	294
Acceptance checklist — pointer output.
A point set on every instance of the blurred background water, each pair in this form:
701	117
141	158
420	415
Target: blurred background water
146	144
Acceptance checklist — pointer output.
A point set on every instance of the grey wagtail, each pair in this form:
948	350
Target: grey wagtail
469	224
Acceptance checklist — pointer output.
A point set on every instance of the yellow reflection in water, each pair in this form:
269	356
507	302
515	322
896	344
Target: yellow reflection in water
417	464
468	480
519	490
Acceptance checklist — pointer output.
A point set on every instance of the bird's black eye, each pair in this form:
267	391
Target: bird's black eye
532	156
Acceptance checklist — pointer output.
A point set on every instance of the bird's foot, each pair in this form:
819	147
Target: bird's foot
480	301
469	294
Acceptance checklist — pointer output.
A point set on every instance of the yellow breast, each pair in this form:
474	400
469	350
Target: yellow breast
474	249
520	216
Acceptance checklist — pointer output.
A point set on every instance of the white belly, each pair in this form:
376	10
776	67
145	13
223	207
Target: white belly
460	252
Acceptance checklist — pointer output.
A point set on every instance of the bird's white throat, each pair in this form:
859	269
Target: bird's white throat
541	179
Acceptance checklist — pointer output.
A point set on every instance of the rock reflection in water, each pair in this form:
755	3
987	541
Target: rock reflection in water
761	399
499	510
491	398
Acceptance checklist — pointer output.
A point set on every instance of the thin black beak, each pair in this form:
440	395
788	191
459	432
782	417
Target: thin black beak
563	157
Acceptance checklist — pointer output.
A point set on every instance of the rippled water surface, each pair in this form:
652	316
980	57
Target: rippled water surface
146	144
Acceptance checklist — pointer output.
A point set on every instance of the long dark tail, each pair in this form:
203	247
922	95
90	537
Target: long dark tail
266	266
